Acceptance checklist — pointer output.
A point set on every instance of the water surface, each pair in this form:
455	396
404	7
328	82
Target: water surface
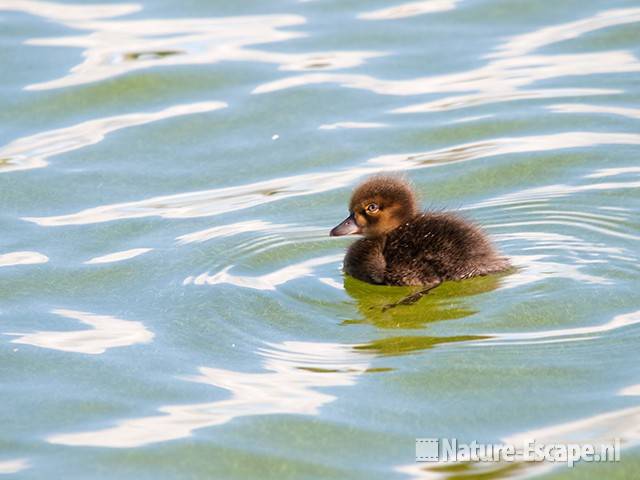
171	305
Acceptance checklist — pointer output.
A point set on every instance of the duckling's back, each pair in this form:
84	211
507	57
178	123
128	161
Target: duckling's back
434	247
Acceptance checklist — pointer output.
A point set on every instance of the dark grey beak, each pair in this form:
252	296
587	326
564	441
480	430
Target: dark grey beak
347	227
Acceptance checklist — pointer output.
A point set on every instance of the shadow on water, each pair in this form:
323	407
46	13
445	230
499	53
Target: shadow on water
447	302
150	55
474	471
392	346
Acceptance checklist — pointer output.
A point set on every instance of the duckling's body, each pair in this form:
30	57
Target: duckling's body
402	247
428	249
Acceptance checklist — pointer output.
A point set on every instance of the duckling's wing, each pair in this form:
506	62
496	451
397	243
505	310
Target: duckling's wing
365	261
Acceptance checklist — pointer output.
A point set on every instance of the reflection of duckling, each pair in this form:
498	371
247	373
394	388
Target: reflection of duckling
451	301
404	247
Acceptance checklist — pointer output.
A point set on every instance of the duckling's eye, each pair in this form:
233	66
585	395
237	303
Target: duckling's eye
372	208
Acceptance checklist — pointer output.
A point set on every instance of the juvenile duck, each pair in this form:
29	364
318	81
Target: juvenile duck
403	246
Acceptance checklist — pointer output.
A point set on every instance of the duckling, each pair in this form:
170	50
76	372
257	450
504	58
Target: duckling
404	246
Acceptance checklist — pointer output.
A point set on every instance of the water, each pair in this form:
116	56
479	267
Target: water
171	305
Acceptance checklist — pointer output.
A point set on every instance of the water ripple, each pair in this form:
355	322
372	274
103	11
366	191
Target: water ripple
523	44
547	192
598	429
351	125
13	466
118	256
294	371
585	108
69	12
22	258
495	82
630	391
562	334
268	281
253	226
511	67
116	47
465	101
612	172
504	146
208	202
537	268
106	332
568	244
554	255
221	200
409	10
33	151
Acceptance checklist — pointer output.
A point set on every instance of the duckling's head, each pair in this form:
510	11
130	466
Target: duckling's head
378	205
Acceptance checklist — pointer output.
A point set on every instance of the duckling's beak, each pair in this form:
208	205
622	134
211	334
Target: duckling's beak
347	227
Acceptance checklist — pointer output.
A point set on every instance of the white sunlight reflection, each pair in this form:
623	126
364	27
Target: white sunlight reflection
571	247
68	12
523	44
106	332
612	172
222	231
222	200
597	430
602	428
409	10
228	230
471	118
33	151
586	108
13	466
510	69
118	256
294	372
465	101
209	202
566	221
498	81
536	268
331	282
561	334
580	254
115	47
548	192
504	146
22	258
631	391
351	125
267	281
